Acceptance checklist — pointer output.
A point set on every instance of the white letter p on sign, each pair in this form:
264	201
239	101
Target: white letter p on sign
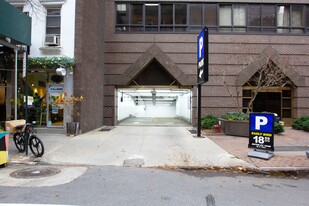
259	121
201	45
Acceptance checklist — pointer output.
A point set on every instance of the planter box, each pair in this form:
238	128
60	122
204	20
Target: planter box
235	127
72	128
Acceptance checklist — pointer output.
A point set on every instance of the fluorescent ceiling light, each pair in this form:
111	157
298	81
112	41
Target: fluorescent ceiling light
151	4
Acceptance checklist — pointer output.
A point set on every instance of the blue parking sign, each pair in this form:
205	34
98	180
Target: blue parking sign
261	133
200	45
261	122
202	56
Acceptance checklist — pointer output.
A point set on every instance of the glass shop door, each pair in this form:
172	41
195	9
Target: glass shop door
55	112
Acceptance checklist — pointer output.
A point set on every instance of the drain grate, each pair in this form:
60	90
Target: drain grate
106	129
192	131
35	172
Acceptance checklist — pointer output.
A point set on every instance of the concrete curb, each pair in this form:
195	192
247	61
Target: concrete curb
284	169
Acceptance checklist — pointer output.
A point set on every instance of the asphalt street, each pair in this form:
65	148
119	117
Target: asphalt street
112	185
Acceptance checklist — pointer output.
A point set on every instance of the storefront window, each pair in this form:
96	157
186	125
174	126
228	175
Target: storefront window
43	88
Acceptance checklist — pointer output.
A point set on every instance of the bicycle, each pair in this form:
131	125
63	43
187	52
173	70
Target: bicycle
23	133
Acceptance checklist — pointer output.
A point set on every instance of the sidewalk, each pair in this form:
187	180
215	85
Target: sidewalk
289	153
166	147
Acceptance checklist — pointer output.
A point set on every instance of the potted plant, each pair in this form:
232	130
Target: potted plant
235	124
69	104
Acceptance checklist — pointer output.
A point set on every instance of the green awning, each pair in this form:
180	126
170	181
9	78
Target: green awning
14	24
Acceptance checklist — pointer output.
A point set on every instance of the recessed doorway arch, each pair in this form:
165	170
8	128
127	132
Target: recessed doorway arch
277	96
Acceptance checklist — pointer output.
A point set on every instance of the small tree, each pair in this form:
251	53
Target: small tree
269	75
235	95
69	101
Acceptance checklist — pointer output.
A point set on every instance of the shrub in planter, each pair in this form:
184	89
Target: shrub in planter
235	124
235	116
306	125
209	121
278	128
298	123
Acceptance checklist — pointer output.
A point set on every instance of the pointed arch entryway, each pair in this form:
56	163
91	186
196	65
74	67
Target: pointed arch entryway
154	91
276	98
154	53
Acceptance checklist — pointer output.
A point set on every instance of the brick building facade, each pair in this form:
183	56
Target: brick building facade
89	68
235	55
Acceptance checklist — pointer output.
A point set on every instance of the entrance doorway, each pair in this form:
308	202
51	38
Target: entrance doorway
268	102
273	99
154	106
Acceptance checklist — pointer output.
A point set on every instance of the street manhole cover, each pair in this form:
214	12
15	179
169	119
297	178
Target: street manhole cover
35	172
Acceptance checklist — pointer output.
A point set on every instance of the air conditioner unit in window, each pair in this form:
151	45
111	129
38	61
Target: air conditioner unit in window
52	41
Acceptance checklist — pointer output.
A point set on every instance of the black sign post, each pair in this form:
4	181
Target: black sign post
202	72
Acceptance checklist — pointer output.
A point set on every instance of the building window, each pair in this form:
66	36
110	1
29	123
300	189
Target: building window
239	18
122	11
307	19
283	19
268	18
297	19
225	18
290	19
166	17
222	17
196	16
180	17
232	18
151	17
254	18
53	27
210	16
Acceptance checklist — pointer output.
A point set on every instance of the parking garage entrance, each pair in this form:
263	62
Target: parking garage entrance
154	106
154	97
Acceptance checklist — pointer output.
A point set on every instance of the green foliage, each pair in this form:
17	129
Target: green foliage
209	121
235	116
278	128
51	63
299	123
306	125
41	62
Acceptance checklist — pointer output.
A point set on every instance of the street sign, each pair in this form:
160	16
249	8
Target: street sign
261	135
202	56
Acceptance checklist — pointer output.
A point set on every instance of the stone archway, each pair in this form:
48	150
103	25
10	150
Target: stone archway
269	54
153	53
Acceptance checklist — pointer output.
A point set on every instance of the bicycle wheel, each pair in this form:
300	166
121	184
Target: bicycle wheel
36	146
19	141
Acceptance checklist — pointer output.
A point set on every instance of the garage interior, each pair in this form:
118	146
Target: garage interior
154	106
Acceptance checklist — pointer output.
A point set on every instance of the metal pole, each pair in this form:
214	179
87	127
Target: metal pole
199	105
15	105
26	89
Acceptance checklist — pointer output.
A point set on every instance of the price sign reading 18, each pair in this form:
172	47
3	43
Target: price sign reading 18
261	131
